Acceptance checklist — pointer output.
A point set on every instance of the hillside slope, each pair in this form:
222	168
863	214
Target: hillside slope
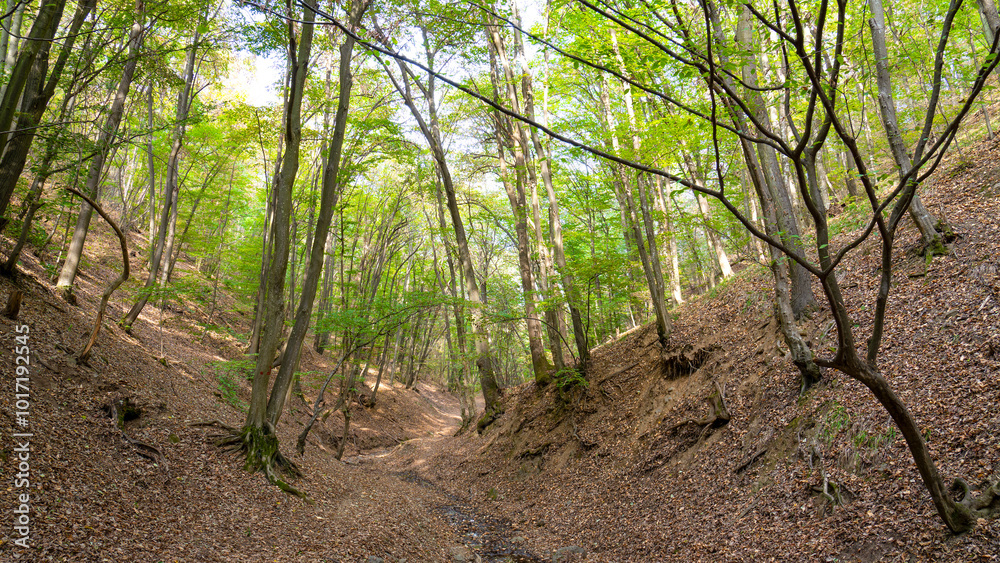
98	494
623	467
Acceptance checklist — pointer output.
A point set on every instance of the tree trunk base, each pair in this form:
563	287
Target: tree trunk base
67	295
968	509
488	418
13	307
810	375
259	447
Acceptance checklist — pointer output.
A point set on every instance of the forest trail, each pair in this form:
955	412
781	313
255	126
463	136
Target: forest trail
484	538
438	422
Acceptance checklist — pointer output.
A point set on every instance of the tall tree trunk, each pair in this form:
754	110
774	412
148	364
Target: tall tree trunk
432	133
10	36
801	294
667	231
33	201
37	92
650	262
163	246
328	202
381	368
39	39
322	336
516	196
272	313
543	154
714	243
924	221
151	174
108	133
466	401
990	19
790	297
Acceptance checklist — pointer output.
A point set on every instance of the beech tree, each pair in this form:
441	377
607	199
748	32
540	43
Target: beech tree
108	132
816	60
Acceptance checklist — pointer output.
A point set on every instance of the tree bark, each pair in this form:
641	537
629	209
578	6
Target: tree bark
328	202
39	38
163	246
801	294
623	183
431	132
923	220
503	80
10	36
543	154
37	92
299	50
108	133
990	19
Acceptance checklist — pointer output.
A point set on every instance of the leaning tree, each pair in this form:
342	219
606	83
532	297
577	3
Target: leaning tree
691	43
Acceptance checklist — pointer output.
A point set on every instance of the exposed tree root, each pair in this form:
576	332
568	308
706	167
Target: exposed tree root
259	448
749	461
718	412
122	410
969	508
488	418
13	304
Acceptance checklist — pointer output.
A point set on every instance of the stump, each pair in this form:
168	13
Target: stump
13	305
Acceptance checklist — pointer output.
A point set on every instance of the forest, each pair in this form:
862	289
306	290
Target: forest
465	281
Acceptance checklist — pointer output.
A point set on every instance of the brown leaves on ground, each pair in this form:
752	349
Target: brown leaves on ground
611	470
95	497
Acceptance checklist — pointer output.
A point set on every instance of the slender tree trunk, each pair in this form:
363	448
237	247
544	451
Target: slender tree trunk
543	154
990	19
39	87
10	36
516	196
108	133
801	294
328	202
151	174
663	321
33	201
322	335
381	369
299	51
190	219
431	132
714	243
667	231
39	40
924	221
163	246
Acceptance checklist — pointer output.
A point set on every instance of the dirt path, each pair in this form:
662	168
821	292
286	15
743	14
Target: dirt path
485	538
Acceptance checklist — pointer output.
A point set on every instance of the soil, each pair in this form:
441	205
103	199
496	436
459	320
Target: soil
617	470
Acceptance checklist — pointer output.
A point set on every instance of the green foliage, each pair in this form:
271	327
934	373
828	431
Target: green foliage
836	421
568	379
228	375
875	440
229	390
36	237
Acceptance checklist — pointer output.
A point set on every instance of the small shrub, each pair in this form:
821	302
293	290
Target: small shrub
837	420
229	391
228	375
568	378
